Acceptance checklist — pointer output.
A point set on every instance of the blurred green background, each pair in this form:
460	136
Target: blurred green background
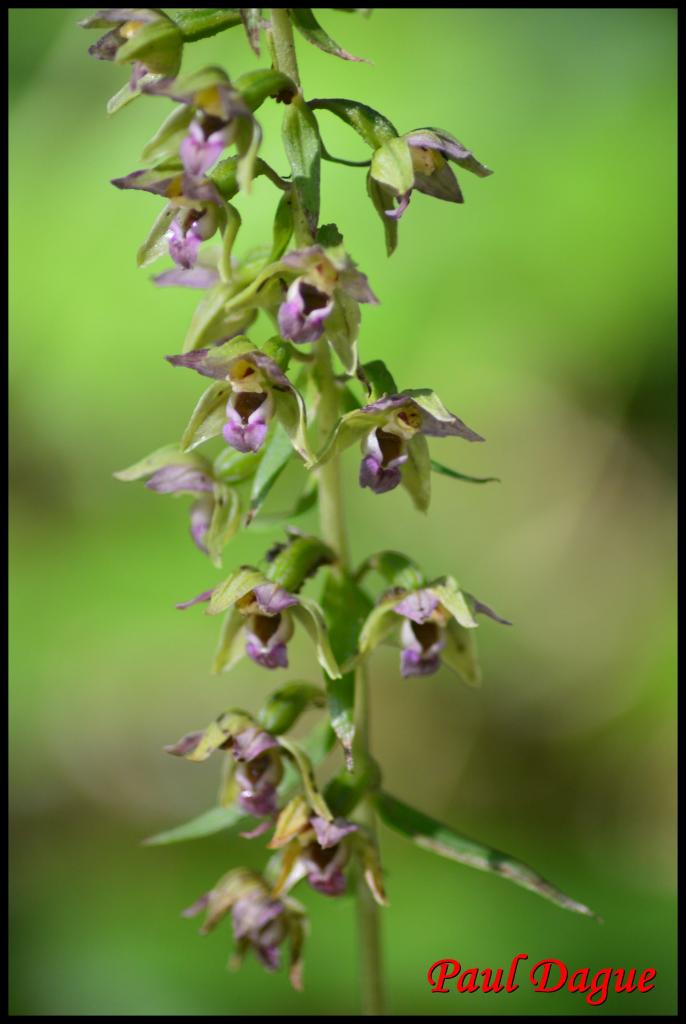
543	310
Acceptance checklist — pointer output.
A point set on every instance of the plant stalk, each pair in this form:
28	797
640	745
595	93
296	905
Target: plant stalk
334	533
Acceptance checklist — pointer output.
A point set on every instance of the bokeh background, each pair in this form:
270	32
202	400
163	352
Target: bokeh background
543	310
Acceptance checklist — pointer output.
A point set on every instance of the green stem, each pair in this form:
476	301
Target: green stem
333	527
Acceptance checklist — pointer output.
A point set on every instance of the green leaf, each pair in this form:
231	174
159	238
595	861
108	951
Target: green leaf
460	653
303	149
443	840
345	606
234	587
342	328
446	471
285	706
208	417
392	166
206	824
304	767
369	124
382	198
309	615
202	22
416	473
277	453
169	455
224	524
308	26
378	379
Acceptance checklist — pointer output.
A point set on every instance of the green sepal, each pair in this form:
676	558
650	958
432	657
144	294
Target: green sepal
448	592
203	22
234	587
379	623
208	315
232	466
277	453
169	455
446	842
342	329
289	409
416	472
382	199
257	86
231	645
429	401
468	162
309	615
227	725
369	124
303	149
306	771
166	140
293	819
298	560
283	227
350	428
208	417
308	27
285	706
446	471
158	45
460	653
224	524
231	229
155	245
126	94
392	166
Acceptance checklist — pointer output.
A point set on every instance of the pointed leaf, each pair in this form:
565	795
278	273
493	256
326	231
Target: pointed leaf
155	245
303	149
215	820
443	840
224	524
342	328
308	26
252	17
372	126
283	226
379	623
167	139
290	410
446	471
231	646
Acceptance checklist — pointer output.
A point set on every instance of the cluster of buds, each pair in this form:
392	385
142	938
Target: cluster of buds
294	401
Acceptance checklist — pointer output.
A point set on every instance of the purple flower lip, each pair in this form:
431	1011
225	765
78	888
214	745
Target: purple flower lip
266	639
303	314
422	644
384	456
330	833
199	151
248	414
252	743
